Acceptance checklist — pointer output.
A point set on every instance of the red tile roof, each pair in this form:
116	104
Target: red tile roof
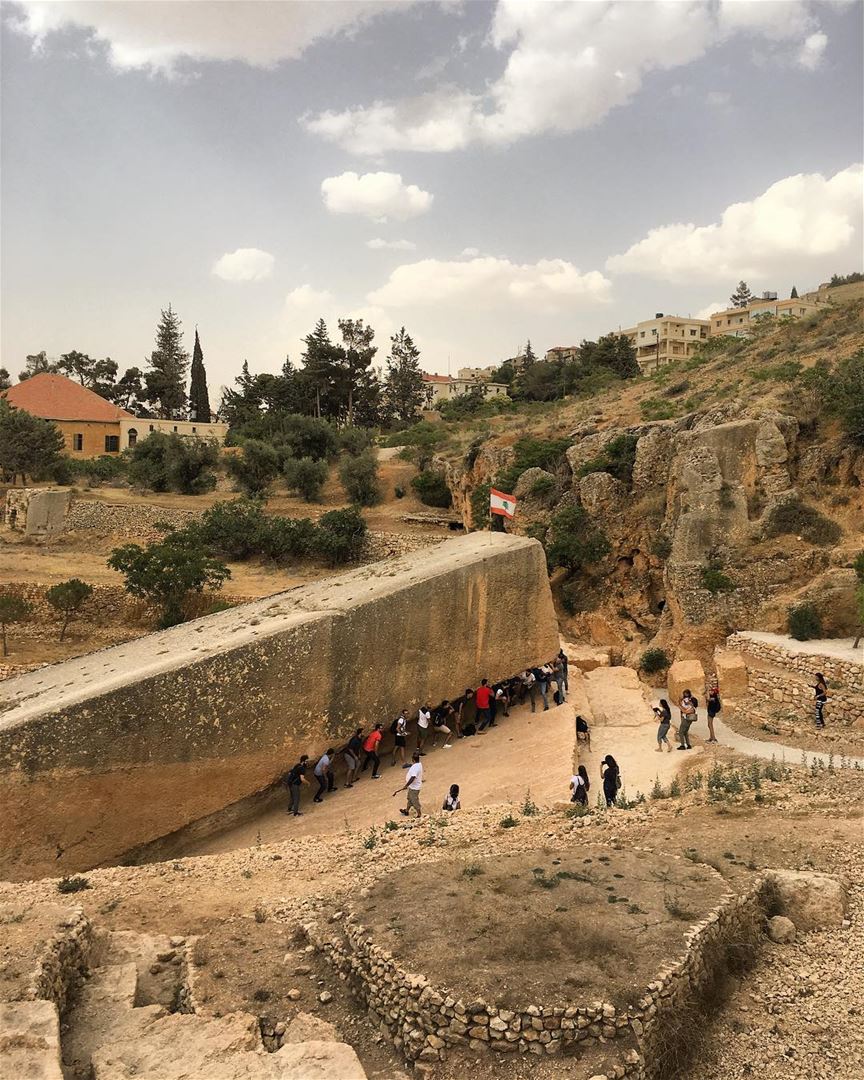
436	378
54	397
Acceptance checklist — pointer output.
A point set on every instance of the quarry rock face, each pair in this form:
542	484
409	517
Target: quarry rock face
104	753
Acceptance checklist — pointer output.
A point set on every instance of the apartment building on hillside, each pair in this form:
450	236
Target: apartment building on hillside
478	374
737	322
665	338
440	388
562	353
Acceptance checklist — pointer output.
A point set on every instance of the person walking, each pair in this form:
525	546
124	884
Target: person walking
351	754
687	705
443	720
399	731
714	705
370	749
560	695
294	781
451	799
580	786
664	722
483	697
820	700
413	784
424	719
529	682
610	774
324	774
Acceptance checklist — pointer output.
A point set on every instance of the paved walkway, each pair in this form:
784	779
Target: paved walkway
792	755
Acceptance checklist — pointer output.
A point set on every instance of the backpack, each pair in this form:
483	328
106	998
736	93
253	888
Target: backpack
394	726
695	701
618	781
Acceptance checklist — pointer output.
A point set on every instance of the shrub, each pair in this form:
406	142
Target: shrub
797	519
431	487
617	459
255	468
804	622
299	436
168	463
305	476
423	433
354	440
714	580
654	660
283	538
67	599
787	371
341	535
359	476
13	609
661	546
543	486
234	528
72	884
573	541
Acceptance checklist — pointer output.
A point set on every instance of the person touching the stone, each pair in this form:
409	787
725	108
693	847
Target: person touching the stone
583	732
413	784
324	774
483	697
351	754
294	781
424	719
370	749
399	731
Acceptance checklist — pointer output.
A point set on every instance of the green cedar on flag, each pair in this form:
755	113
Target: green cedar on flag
502	504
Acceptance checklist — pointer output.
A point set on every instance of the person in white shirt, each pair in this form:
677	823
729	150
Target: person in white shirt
424	718
413	783
399	727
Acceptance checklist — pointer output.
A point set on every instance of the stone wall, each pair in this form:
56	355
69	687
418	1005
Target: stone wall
779	681
137	521
110	751
63	964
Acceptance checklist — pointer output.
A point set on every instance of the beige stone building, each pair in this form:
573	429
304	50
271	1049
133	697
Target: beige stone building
134	430
737	322
665	338
562	353
481	374
440	388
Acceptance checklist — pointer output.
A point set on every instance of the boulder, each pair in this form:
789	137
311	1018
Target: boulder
319	1061
525	484
781	930
813	901
308	1028
685	675
600	491
731	675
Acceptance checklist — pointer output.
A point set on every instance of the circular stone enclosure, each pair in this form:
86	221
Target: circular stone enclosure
537	927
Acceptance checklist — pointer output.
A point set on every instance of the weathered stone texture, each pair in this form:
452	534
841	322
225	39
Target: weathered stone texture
686	675
104	753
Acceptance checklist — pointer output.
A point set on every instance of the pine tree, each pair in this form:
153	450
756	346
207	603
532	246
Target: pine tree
199	399
321	370
529	357
166	381
742	295
404	381
5	380
357	354
794	294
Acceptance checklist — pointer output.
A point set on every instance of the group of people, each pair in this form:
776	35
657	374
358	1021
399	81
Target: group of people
474	713
687	707
610	778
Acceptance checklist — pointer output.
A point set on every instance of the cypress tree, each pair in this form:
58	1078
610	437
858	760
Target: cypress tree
166	381
794	294
199	399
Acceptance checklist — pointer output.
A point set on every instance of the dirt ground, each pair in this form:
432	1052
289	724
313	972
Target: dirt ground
610	918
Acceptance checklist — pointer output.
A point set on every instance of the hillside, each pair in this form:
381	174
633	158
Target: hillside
729	492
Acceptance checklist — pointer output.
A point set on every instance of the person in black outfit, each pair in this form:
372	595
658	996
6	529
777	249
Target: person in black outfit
296	776
351	753
611	776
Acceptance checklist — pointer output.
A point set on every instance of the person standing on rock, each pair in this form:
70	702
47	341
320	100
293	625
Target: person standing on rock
664	722
413	784
424	718
351	754
293	781
399	730
324	774
714	705
565	669
580	786
687	705
611	777
370	749
820	690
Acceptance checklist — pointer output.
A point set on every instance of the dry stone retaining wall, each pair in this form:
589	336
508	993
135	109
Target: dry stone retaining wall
63	964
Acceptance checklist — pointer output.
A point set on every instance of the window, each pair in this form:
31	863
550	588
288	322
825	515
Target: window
175	427
692	333
728	322
193	430
78	441
719	322
112	444
133	436
641	333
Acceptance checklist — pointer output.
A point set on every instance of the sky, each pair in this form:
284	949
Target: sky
481	173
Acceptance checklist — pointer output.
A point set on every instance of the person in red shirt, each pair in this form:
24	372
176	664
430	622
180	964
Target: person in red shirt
370	747
483	697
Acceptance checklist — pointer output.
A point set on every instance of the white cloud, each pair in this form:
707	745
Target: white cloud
795	222
244	264
718	99
569	65
811	52
549	285
305	298
380	196
379	244
156	36
470	252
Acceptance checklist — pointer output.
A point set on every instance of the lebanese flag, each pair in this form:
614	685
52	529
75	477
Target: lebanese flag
502	504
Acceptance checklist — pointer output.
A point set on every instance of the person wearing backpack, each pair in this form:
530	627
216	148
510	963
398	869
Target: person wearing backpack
293	781
442	718
399	731
580	785
688	705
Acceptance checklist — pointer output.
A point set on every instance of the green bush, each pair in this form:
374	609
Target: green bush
169	463
661	546
285	538
788	371
543	486
292	433
423	433
234	528
355	440
431	487
804	622
657	409
341	535
714	580
305	476
654	660
573	541
617	459
795	518
359	476
255	468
